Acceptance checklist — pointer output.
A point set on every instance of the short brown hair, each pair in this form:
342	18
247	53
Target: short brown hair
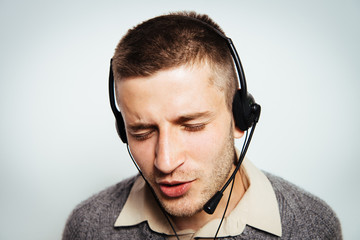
172	40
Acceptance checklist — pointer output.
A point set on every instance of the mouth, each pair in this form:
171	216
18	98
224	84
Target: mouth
175	189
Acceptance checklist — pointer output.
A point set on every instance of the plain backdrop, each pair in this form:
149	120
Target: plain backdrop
58	141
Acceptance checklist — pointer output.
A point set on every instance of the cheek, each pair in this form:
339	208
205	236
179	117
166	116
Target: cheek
206	146
143	153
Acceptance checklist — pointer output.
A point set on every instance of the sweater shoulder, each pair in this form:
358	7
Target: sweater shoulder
97	212
116	193
303	214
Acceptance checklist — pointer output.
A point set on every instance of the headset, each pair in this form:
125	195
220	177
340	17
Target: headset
245	110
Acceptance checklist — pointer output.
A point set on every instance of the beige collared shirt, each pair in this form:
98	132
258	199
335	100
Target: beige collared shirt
257	208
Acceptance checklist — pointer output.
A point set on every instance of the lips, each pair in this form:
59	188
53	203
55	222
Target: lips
174	189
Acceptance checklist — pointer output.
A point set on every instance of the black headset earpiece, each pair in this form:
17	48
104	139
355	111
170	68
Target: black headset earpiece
246	112
119	120
120	128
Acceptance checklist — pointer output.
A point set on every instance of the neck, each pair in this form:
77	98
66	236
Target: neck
198	220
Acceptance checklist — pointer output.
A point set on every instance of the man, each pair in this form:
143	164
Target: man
175	83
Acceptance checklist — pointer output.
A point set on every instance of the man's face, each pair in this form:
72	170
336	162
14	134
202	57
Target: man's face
180	133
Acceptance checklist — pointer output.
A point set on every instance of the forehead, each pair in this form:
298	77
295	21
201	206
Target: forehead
177	90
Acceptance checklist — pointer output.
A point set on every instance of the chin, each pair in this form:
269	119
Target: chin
181	207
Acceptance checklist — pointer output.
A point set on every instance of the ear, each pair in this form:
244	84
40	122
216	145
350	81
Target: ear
238	133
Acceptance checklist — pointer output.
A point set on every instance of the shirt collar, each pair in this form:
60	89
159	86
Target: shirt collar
257	208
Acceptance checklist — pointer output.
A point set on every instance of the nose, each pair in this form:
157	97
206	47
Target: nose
168	155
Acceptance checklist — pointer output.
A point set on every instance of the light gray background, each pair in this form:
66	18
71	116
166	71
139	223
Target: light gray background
58	141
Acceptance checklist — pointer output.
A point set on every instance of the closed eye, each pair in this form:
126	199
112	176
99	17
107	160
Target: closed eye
142	136
194	127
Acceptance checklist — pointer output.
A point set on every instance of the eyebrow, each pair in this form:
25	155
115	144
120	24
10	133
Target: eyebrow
192	116
140	126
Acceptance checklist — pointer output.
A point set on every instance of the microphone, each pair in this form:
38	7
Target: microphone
213	202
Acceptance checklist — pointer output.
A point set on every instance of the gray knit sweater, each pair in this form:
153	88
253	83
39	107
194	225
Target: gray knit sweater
303	216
